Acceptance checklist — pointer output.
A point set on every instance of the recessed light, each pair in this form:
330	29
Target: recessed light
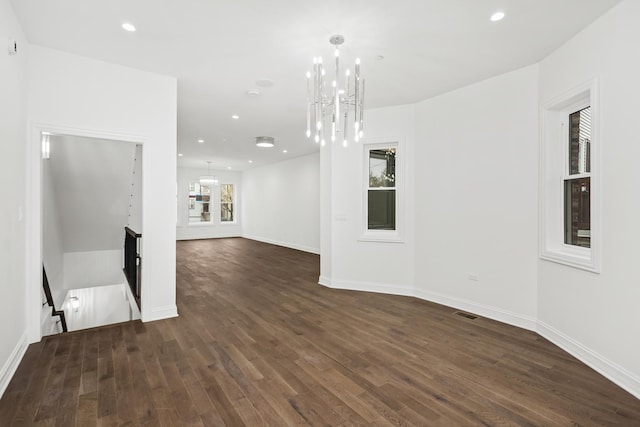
497	16
284	151
235	117
265	82
253	93
201	141
250	161
128	27
229	167
180	154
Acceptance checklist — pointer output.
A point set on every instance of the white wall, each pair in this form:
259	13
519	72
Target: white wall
281	203
365	265
75	95
52	242
476	197
13	87
595	315
186	231
135	208
93	268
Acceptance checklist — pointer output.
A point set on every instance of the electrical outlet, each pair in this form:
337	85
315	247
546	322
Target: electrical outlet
473	277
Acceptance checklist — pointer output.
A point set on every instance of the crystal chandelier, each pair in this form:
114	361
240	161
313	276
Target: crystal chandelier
327	102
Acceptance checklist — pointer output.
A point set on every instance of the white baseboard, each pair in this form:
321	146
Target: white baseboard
350	285
295	246
159	313
483	310
614	372
10	366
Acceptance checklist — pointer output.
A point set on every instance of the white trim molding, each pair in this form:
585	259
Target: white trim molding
11	365
350	285
488	311
552	173
614	372
160	313
295	246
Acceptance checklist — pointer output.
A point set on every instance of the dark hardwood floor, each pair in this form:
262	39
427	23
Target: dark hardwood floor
259	342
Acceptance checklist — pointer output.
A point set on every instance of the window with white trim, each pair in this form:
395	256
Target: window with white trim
199	202
226	203
382	192
569	176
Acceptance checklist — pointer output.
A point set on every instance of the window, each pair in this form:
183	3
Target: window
569	176
383	197
226	203
577	183
199	202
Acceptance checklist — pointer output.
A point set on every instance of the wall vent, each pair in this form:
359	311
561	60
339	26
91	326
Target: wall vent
467	315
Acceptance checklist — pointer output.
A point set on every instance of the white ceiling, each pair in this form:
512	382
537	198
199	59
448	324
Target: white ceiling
217	50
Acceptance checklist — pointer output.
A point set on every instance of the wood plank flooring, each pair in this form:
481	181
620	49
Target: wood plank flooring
260	343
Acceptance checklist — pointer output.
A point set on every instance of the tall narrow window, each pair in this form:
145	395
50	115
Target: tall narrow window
199	202
577	182
570	205
381	192
226	203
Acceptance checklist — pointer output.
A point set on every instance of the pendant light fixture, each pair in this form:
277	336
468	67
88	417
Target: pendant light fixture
208	179
327	102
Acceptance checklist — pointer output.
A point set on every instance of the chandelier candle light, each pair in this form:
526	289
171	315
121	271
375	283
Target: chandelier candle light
330	101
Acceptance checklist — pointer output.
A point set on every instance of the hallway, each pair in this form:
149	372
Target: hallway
259	342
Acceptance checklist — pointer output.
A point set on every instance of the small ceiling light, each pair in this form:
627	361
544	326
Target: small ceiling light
497	16
201	141
179	154
250	161
265	141
235	117
229	167
285	151
253	93
128	27
265	82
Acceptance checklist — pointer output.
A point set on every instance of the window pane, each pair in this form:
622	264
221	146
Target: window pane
577	212
199	200
382	168
580	141
226	202
382	210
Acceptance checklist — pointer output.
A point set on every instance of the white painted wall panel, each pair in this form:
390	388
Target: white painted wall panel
92	268
13	113
92	97
598	312
281	203
476	197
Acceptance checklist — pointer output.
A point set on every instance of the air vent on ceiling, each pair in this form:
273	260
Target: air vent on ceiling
467	315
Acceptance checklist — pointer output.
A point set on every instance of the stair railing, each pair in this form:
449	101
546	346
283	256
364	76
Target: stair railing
47	293
133	262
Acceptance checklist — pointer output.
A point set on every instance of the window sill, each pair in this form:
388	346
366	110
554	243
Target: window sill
580	258
382	236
